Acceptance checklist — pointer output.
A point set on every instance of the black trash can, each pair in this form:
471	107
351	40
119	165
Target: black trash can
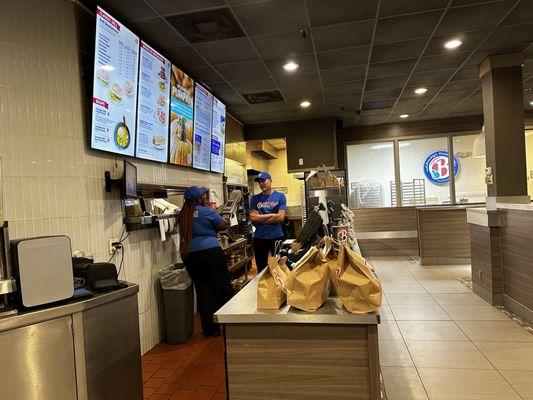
178	303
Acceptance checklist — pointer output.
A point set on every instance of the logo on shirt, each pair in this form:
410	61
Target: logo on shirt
264	204
195	215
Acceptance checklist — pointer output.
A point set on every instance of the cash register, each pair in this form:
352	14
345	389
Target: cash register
229	213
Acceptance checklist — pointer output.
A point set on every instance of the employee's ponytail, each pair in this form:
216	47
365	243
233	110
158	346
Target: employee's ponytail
185	218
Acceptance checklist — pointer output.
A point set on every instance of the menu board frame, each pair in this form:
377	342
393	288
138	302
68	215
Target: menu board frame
223	144
163	96
118	95
196	144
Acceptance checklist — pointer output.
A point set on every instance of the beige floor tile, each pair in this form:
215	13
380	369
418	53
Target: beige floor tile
403	288
495	331
448	286
521	381
475	313
388	330
386	313
431	275
419	313
459	299
431	330
384	300
411	299
508	355
393	353
443	354
465	384
459	271
403	384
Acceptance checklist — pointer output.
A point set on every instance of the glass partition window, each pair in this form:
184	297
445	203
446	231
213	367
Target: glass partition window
371	175
529	162
470	184
424	172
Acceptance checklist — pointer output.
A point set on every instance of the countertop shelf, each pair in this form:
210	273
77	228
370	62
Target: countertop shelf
239	264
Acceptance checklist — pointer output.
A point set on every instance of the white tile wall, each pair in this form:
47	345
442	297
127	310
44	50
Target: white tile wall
54	184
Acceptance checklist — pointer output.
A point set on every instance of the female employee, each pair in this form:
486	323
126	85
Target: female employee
203	257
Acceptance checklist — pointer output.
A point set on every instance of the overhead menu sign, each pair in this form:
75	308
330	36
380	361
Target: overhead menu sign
218	136
115	86
153	105
181	118
203	109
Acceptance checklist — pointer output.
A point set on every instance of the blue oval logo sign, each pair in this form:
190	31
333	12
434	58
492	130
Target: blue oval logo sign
437	169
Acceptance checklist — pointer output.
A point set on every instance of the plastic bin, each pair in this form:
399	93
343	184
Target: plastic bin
178	303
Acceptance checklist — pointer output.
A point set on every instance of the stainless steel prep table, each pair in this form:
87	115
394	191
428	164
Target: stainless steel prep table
291	354
85	350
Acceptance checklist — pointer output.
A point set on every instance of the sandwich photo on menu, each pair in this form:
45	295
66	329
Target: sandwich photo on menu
181	118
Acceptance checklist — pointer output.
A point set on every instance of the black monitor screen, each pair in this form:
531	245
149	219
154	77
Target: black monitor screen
130	180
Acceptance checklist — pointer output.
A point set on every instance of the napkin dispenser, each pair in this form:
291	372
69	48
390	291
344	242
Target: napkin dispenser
43	269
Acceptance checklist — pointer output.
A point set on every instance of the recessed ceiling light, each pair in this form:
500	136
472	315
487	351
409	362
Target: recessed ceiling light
290	66
453	44
421	90
305	104
403	116
531	103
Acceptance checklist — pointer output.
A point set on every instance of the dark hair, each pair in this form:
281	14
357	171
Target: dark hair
185	219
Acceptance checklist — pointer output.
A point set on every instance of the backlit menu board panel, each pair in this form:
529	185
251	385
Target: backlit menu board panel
153	106
181	118
218	136
115	86
203	109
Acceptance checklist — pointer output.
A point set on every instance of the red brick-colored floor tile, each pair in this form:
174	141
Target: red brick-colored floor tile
191	384
163	373
150	367
206	391
148	391
219	396
154	383
181	394
161	396
168	388
147	375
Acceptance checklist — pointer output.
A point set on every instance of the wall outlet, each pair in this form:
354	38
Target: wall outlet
480	275
300	161
112	249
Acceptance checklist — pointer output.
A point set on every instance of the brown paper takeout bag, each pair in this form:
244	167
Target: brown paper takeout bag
329	253
359	288
309	283
271	288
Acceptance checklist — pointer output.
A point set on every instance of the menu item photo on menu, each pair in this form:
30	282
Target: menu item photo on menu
181	118
153	106
115	86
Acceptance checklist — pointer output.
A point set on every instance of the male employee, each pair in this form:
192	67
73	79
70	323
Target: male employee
267	212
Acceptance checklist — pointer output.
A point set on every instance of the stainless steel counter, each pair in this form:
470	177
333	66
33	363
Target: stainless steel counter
242	309
79	350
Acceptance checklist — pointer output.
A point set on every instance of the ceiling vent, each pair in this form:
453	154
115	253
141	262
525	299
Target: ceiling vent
377	105
263	97
206	26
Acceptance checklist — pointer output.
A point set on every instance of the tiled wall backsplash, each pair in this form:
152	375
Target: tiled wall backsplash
53	184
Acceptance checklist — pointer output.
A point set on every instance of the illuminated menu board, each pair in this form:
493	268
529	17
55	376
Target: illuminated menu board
153	106
218	136
115	86
181	117
203	109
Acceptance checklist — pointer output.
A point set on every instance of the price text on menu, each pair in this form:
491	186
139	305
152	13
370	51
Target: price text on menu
203	109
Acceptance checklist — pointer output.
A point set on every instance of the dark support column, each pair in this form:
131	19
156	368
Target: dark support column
503	111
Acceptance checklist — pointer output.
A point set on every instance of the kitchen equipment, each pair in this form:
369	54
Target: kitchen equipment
43	269
7	284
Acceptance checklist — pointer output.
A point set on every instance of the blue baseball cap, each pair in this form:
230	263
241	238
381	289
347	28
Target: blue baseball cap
194	192
262	176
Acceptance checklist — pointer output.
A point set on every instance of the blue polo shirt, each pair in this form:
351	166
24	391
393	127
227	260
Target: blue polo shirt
268	204
205	222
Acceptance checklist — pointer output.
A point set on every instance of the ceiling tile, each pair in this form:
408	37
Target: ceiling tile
475	17
339	11
466	85
268	107
343	74
470	72
222	89
372	120
411	105
439	62
184	57
157	33
300	86
234	100
243	71
227	51
384	94
206	74
406	26
398	51
509	39
277	115
175	7
386	83
255	86
284	45
409	92
349	102
523	13
470	41
472	106
307	63
397	7
346	88
343	35
431	77
344	58
439	109
272	16
384	70
126	10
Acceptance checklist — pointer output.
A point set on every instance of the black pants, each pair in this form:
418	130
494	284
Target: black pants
209	272
262	247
